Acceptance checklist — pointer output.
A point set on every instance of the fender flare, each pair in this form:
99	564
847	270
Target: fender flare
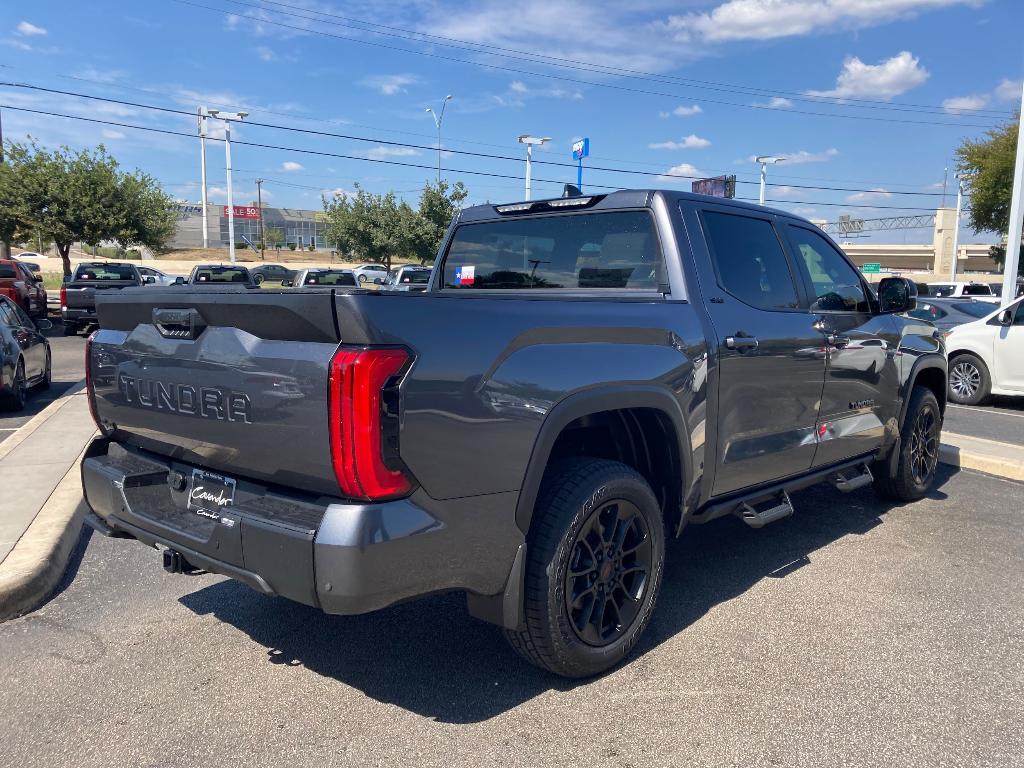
929	360
590	401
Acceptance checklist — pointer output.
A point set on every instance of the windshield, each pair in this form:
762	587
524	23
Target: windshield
330	277
100	272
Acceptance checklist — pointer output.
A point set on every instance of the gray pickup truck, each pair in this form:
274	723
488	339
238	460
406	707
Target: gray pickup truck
583	378
78	294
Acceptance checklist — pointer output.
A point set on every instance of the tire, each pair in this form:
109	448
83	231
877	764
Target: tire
969	380
258	279
70	330
44	384
597	532
919	451
362	278
15	400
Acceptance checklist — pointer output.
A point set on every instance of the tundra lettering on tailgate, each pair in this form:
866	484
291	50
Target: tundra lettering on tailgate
206	402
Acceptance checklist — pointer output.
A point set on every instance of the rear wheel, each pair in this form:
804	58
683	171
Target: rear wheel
595	559
44	383
16	398
969	380
258	279
918	456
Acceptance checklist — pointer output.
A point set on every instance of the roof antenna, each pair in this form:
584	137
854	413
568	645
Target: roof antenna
571	190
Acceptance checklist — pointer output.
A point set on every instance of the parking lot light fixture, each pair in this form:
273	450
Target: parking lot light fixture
438	119
531	142
765	161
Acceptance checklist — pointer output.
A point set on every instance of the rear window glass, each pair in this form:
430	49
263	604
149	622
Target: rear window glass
591	251
100	272
7	271
941	290
336	277
415	276
222	275
977	290
976	310
928	312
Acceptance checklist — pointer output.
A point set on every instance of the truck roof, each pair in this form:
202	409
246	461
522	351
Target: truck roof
623	198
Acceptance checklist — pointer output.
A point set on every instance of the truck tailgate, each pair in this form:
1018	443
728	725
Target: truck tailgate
230	379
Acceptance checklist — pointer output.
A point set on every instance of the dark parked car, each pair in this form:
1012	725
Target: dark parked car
219	275
18	283
271	273
78	295
318	278
949	313
583	378
24	355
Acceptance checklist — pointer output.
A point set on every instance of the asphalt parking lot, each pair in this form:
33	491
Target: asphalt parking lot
68	368
853	633
1001	419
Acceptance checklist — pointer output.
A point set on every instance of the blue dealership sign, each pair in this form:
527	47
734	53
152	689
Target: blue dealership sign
580	149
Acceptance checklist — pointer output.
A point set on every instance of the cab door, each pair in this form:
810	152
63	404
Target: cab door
770	358
862	373
1008	352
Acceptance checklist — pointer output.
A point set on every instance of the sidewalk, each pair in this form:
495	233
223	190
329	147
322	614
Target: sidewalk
989	456
40	508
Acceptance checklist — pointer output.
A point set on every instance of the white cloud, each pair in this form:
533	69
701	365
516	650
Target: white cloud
265	53
290	166
693	141
18	45
99	75
959	104
381	152
389	85
775	102
884	80
683	169
805	211
803	156
338	192
27	29
685	111
1009	90
518	87
869	196
107	133
769	19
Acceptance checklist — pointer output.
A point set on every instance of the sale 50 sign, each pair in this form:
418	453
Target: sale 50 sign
244	212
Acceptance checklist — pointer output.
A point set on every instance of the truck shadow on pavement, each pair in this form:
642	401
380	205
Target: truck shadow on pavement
430	657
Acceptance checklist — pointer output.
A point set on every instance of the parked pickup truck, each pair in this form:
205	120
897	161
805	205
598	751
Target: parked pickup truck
583	378
20	285
89	280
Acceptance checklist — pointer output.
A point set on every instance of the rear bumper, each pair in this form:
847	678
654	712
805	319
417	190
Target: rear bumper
341	557
75	316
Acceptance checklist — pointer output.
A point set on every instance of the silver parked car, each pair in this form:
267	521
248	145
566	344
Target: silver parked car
159	278
371	273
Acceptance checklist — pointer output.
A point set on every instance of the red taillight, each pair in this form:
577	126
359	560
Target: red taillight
63	297
358	381
90	393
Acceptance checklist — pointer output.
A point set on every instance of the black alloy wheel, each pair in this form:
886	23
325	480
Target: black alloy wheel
924	446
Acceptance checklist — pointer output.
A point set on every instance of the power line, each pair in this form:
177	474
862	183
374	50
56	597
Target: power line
567	79
406	145
321	153
592	67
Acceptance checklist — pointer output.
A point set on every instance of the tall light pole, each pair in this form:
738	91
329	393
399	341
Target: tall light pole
530	142
765	161
5	247
259	202
1012	260
202	164
438	119
956	224
227	117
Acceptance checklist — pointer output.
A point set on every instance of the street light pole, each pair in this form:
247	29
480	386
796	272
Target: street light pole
1012	261
259	202
765	160
202	164
227	117
530	142
956	224
5	247
438	119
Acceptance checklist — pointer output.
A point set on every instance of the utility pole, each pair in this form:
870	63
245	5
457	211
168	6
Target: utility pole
227	117
438	119
5	247
530	142
765	161
1012	262
945	178
202	164
259	202
956	224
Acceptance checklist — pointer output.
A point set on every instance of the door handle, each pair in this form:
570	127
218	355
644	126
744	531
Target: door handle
740	342
837	340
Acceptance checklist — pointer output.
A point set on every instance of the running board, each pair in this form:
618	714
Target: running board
847	484
759	518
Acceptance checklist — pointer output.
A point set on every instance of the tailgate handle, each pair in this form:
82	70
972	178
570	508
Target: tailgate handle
179	323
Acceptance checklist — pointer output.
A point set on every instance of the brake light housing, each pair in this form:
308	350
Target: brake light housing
63	297
90	392
364	420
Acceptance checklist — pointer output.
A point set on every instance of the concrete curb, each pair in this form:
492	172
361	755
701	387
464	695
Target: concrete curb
36	565
989	456
39	419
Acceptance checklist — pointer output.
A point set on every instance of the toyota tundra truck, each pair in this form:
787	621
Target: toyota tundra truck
583	378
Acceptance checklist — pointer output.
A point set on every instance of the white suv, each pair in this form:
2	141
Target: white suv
986	357
979	291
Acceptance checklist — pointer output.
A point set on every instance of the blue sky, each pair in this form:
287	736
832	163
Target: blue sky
690	87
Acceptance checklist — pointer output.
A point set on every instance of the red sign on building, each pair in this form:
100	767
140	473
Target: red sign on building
244	212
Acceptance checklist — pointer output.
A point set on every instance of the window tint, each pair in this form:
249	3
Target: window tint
976	309
7	272
222	275
926	311
97	272
942	290
977	290
333	277
416	276
837	285
588	251
750	261
1018	316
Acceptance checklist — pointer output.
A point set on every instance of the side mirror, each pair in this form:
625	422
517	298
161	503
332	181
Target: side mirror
1006	317
43	324
179	280
896	295
149	280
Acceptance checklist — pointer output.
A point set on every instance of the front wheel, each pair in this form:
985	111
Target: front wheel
17	397
918	456
969	382
258	279
596	553
362	278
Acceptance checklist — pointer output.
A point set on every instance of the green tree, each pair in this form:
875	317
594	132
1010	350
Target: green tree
988	165
148	217
376	228
273	237
438	205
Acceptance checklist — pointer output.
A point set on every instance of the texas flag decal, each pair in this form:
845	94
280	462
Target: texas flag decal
465	275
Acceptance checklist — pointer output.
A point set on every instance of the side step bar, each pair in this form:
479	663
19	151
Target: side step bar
847	484
758	518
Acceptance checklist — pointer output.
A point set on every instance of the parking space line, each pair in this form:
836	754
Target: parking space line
989	411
